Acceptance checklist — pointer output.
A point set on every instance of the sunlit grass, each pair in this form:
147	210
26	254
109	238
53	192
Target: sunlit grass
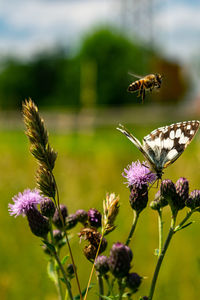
89	165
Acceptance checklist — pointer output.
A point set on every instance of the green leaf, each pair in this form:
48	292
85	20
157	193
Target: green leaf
77	297
125	295
50	246
184	226
51	272
110	297
65	258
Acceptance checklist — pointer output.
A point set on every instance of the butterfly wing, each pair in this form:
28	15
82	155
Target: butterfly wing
167	143
136	142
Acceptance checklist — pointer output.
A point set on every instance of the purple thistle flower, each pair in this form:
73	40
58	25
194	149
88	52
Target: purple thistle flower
94	217
138	174
25	201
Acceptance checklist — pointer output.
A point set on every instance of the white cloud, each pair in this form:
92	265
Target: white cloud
30	26
36	24
178	17
177	29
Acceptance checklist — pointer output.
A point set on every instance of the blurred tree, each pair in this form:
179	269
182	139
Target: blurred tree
114	56
174	85
96	76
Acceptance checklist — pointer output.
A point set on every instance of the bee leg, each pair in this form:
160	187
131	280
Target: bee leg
143	95
140	92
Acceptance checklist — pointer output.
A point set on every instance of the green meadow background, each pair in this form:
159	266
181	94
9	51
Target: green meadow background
89	165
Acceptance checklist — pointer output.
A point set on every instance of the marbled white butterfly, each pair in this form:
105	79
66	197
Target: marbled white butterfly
164	145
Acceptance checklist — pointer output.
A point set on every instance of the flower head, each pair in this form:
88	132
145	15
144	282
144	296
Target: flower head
56	218
82	216
133	281
94	217
138	174
194	199
47	207
119	261
25	201
101	264
138	197
182	191
71	221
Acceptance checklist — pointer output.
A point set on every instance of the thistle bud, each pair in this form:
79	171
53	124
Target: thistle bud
133	281
101	264
158	202
47	207
71	221
167	188
194	199
39	224
56	218
57	235
94	218
168	191
139	197
82	216
182	191
119	260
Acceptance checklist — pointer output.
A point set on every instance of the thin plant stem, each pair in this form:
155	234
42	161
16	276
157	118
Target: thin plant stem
59	287
64	275
65	233
101	288
161	257
108	284
135	219
92	270
160	228
121	288
58	284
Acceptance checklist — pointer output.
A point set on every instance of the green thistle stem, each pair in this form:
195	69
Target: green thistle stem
121	288
101	288
65	233
160	227
58	284
135	219
161	257
64	276
59	287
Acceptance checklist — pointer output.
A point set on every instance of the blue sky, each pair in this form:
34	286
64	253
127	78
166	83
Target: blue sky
27	27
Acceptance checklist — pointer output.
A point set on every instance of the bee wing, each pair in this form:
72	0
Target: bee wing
137	143
135	75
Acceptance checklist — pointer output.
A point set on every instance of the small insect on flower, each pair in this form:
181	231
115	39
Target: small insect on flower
164	145
143	84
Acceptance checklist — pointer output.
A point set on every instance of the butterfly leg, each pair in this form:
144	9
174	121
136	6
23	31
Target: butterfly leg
146	166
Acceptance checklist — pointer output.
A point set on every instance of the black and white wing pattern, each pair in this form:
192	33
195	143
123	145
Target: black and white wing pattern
164	145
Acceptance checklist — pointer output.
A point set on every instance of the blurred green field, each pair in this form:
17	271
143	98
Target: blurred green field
89	165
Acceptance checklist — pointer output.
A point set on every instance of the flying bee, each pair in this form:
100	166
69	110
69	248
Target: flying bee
147	83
